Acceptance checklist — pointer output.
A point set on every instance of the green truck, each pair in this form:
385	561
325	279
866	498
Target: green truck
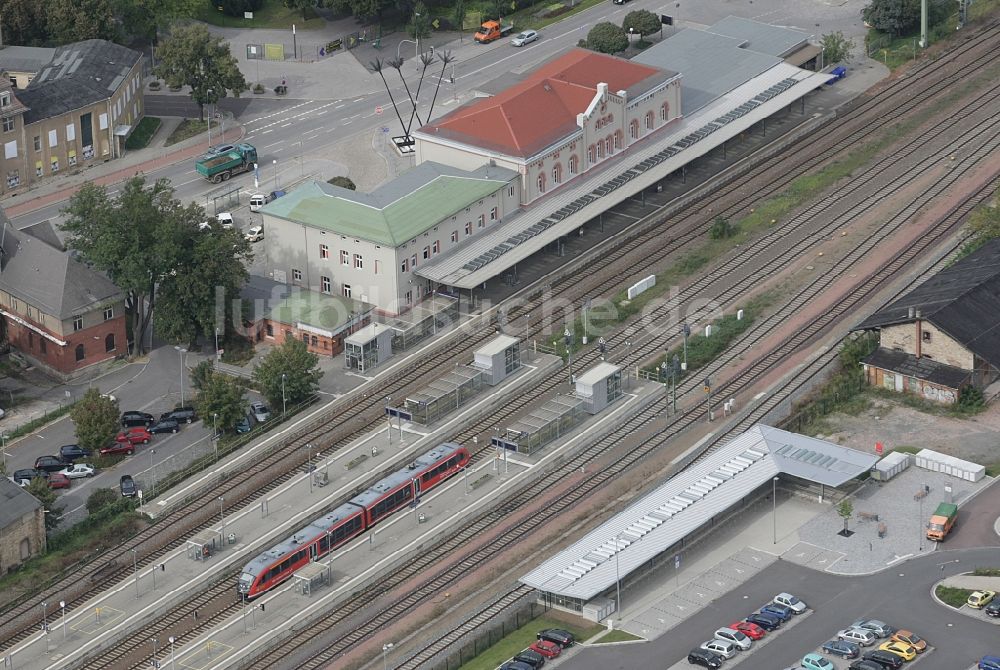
942	521
220	167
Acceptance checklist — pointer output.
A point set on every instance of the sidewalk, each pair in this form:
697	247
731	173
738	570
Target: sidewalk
143	161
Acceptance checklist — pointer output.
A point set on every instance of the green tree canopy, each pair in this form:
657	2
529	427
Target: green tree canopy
221	401
143	18
24	22
101	498
76	20
299	367
607	38
892	16
420	25
836	47
95	419
362	10
343	182
193	57
303	6
136	237
642	21
200	374
39	487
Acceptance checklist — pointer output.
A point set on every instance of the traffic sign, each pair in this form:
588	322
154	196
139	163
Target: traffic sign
378	109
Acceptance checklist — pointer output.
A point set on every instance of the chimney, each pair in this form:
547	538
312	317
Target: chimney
917	313
916	323
913	312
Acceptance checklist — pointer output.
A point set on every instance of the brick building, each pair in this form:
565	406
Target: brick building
78	108
22	526
942	335
56	311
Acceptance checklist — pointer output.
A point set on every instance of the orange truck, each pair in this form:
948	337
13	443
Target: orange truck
492	30
942	521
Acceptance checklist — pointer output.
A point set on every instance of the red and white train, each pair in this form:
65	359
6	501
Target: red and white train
351	519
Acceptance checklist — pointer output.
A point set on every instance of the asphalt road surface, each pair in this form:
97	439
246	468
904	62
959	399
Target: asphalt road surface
899	596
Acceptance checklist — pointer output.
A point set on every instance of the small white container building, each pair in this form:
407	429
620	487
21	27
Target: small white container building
498	358
890	466
949	465
599	386
368	348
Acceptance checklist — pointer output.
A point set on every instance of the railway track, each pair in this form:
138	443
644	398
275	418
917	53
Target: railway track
339	423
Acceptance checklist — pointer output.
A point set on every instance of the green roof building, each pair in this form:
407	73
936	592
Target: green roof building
365	246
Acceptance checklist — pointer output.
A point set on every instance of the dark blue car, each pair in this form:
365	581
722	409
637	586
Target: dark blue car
842	648
989	663
765	621
780	611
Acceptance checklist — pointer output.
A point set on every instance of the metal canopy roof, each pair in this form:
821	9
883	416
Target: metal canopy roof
687	501
446	384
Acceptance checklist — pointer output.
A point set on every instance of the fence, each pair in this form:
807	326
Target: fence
484	637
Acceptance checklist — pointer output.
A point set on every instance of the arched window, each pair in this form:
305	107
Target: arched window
600	149
618	140
649	120
633	129
557	173
607	145
591	155
109	343
541	182
665	111
79	352
572	164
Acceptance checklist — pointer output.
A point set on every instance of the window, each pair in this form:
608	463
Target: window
53	139
31	340
376	267
79	353
413	261
649	120
556	174
296	275
8	124
347	290
345	258
436	248
510	192
482	220
409	297
359	262
109	343
13	179
468	228
664	111
618	140
541	183
454	236
591	155
305	338
427	253
109	313
403	267
38	142
925	335
38	169
324	283
572	164
55	164
314	340
324	251
600	149
607	146
72	157
269	330
77	323
493	214
633	129
43	344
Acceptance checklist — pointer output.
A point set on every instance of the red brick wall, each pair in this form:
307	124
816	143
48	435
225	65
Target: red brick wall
317	344
63	359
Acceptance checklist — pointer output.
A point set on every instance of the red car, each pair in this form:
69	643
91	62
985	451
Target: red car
751	630
118	448
134	435
58	480
546	648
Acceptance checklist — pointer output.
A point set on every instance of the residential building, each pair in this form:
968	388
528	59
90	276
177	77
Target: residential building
23	63
567	117
22	526
78	108
942	335
57	312
366	246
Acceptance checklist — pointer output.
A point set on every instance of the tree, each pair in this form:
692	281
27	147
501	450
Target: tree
836	47
299	367
221	400
77	20
142	18
458	13
238	7
607	38
420	26
193	57
24	22
642	22
970	398
101	498
892	16
95	419
200	374
721	229
302	5
360	9
343	182
209	272
134	237
39	487
845	509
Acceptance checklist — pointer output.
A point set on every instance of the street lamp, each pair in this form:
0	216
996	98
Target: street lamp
135	571
568	336
686	332
155	664
388	419
309	466
774	509
222	515
284	399
152	468
215	434
171	638
708	394
602	344
920	545
385	650
527	324
676	371
275	163
663	376
45	618
181	351
618	577
3	442
62	604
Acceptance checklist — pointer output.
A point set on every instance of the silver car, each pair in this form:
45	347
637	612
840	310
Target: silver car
260	411
723	648
865	638
527	37
880	628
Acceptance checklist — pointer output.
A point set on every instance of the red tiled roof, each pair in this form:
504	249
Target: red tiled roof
534	113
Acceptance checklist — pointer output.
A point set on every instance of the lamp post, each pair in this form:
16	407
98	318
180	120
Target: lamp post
222	515
135	571
920	545
568	336
3	442
329	559
618	577
527	324
309	466
686	332
45	618
774	509
274	162
385	650
217	356
155	663
663	377
284	399
676	365
215	434
152	469
171	638
388	419
631	32
708	397
602	344
62	604
181	351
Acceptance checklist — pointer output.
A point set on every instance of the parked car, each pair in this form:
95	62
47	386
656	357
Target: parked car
244	425
49	463
260	411
780	611
134	435
58	480
274	195
130	419
860	636
989	663
885	659
225	220
791	602
723	648
556	635
71	452
257	201
118	449
531	657
751	630
913	639
880	628
255	234
734	636
181	415
766	621
993	609
842	648
24	476
816	662
704	658
219	149
165	426
127	486
515	665
978	599
905	651
78	470
526	37
546	648
862	664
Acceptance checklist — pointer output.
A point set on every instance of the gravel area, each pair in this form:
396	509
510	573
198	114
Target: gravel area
903	515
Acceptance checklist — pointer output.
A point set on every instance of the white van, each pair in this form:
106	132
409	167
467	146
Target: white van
257	200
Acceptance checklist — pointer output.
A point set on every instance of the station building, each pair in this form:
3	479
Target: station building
648	534
22	526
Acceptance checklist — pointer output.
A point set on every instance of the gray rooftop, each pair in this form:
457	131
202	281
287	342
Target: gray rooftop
48	278
688	500
25	59
497	345
597	373
712	64
367	334
79	74
15	502
761	37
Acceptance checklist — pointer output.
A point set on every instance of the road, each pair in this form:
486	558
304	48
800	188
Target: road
899	596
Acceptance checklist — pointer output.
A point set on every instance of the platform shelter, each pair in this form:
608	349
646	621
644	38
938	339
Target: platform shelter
368	348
